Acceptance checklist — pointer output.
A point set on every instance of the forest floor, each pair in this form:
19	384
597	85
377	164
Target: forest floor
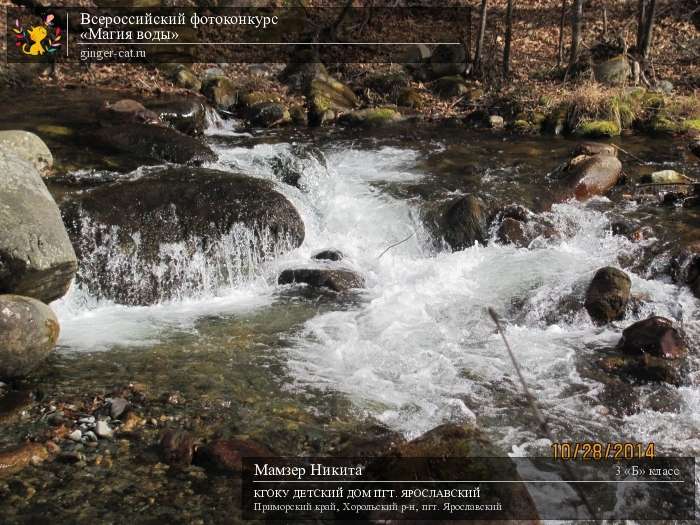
536	84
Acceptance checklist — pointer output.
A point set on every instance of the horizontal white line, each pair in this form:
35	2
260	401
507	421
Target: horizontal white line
471	481
263	43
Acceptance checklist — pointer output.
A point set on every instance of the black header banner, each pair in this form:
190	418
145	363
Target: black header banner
231	34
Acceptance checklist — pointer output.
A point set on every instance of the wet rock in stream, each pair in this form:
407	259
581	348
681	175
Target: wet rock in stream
328	255
457	441
464	222
153	143
28	333
685	267
607	295
186	115
651	350
586	176
655	336
337	280
144	240
28	147
36	256
127	111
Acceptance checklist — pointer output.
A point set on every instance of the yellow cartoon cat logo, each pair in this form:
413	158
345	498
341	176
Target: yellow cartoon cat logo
38	40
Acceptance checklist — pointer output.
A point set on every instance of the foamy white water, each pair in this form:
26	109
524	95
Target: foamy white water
420	349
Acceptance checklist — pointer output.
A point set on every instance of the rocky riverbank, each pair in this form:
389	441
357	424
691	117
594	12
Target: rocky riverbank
140	183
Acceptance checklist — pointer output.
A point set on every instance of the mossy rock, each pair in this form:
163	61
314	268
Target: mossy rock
538	119
329	98
268	114
691	125
221	92
653	101
523	127
251	98
623	110
411	98
186	79
388	85
598	129
371	117
298	115
662	124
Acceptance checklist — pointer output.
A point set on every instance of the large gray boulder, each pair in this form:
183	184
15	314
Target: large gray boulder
615	71
36	256
27	146
137	237
28	332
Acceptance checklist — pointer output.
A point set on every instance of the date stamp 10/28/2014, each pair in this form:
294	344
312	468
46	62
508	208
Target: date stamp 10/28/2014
592	450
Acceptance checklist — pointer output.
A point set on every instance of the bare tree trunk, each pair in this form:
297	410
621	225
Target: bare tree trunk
605	20
641	21
562	21
509	38
469	32
576	28
480	38
648	30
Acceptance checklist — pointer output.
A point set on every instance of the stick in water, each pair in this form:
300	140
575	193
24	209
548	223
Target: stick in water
538	415
395	244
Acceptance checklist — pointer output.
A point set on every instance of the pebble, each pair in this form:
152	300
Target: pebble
90	436
53	448
71	457
117	406
56	418
76	435
87	420
102	430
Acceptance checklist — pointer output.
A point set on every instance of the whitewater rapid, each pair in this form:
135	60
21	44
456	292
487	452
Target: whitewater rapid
418	348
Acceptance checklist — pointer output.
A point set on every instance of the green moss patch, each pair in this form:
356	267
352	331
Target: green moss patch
598	129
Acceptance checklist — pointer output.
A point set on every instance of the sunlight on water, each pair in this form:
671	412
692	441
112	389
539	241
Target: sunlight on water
420	349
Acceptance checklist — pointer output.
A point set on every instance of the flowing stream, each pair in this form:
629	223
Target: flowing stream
306	373
416	347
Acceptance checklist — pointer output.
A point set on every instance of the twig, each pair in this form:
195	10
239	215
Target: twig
628	153
538	415
395	244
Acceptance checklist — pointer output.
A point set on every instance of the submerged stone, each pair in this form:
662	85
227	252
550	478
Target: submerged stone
177	447
15	459
226	455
